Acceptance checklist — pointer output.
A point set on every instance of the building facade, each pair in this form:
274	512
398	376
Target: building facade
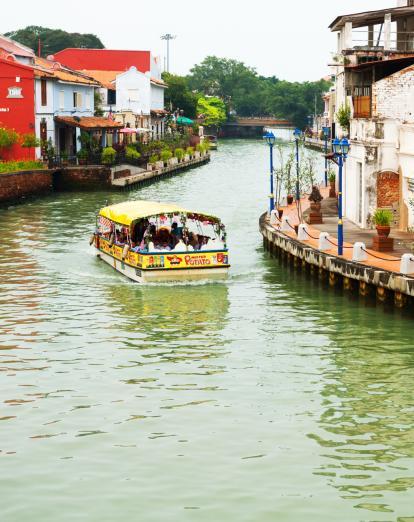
374	79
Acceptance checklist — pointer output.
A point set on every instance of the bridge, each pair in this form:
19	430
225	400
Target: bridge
252	127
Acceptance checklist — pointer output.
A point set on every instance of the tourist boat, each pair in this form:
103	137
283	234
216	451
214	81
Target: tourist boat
151	242
212	140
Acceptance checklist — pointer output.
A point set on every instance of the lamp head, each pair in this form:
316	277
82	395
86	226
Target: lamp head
297	133
270	138
336	146
326	132
345	146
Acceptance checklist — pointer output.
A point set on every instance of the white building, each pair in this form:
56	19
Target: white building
375	78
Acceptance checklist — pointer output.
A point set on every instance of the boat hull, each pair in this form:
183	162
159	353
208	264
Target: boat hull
163	266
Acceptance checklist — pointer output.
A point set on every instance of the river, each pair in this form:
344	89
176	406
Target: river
265	398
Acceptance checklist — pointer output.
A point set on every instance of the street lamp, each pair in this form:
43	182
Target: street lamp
270	140
326	132
297	134
340	149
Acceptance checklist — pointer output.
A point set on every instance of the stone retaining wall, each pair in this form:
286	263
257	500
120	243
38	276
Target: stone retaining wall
18	185
365	280
82	178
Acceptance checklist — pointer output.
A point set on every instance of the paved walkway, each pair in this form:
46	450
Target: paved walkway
352	233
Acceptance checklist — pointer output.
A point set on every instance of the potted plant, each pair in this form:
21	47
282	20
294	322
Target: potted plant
165	156
82	156
64	158
332	181
179	154
315	216
131	154
152	161
190	152
108	156
382	218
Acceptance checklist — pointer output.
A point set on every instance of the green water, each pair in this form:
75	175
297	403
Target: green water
265	398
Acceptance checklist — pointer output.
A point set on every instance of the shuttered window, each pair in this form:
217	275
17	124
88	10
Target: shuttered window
43	92
77	99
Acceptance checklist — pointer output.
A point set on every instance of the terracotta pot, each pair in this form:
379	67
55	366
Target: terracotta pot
289	200
315	207
332	191
280	210
383	231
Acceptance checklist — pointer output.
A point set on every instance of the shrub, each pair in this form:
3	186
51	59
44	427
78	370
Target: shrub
15	166
332	177
190	151
382	217
30	141
166	154
82	154
179	153
206	145
131	153
344	115
108	156
153	159
199	147
8	137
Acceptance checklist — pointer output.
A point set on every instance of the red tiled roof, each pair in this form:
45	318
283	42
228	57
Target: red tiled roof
104	59
52	69
16	48
89	122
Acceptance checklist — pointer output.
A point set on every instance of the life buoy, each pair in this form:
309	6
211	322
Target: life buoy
125	251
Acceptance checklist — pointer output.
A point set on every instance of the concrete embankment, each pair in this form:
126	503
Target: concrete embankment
367	279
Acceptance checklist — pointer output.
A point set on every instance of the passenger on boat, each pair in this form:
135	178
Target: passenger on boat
176	230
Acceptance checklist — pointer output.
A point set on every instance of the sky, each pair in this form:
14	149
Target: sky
290	40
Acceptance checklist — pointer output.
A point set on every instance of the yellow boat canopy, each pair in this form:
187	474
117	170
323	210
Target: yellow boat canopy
129	211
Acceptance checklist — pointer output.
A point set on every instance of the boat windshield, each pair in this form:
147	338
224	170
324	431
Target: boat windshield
163	233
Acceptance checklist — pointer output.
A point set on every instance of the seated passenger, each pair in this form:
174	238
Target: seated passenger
176	230
163	240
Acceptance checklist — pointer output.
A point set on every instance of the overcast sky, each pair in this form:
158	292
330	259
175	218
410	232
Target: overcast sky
290	40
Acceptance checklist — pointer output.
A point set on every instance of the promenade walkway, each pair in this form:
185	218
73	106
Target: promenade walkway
385	261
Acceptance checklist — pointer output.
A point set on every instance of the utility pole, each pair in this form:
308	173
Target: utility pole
167	37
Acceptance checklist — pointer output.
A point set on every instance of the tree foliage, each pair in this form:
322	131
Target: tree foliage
245	93
179	96
53	40
212	111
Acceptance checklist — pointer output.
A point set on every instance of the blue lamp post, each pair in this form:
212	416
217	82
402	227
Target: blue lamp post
340	149
297	134
270	140
326	132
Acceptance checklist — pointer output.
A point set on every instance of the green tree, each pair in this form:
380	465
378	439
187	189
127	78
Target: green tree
212	111
179	95
53	40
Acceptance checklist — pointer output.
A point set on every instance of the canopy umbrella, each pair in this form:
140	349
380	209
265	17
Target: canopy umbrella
182	120
128	130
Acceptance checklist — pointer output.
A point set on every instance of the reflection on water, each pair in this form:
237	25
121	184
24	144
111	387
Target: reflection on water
261	398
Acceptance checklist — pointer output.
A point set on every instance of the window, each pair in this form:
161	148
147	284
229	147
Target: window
61	99
111	97
88	101
43	92
77	100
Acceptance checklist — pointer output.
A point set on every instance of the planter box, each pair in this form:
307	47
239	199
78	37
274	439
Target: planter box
186	157
159	165
173	161
150	167
196	154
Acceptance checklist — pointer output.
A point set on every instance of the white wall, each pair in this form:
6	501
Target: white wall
133	92
157	96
